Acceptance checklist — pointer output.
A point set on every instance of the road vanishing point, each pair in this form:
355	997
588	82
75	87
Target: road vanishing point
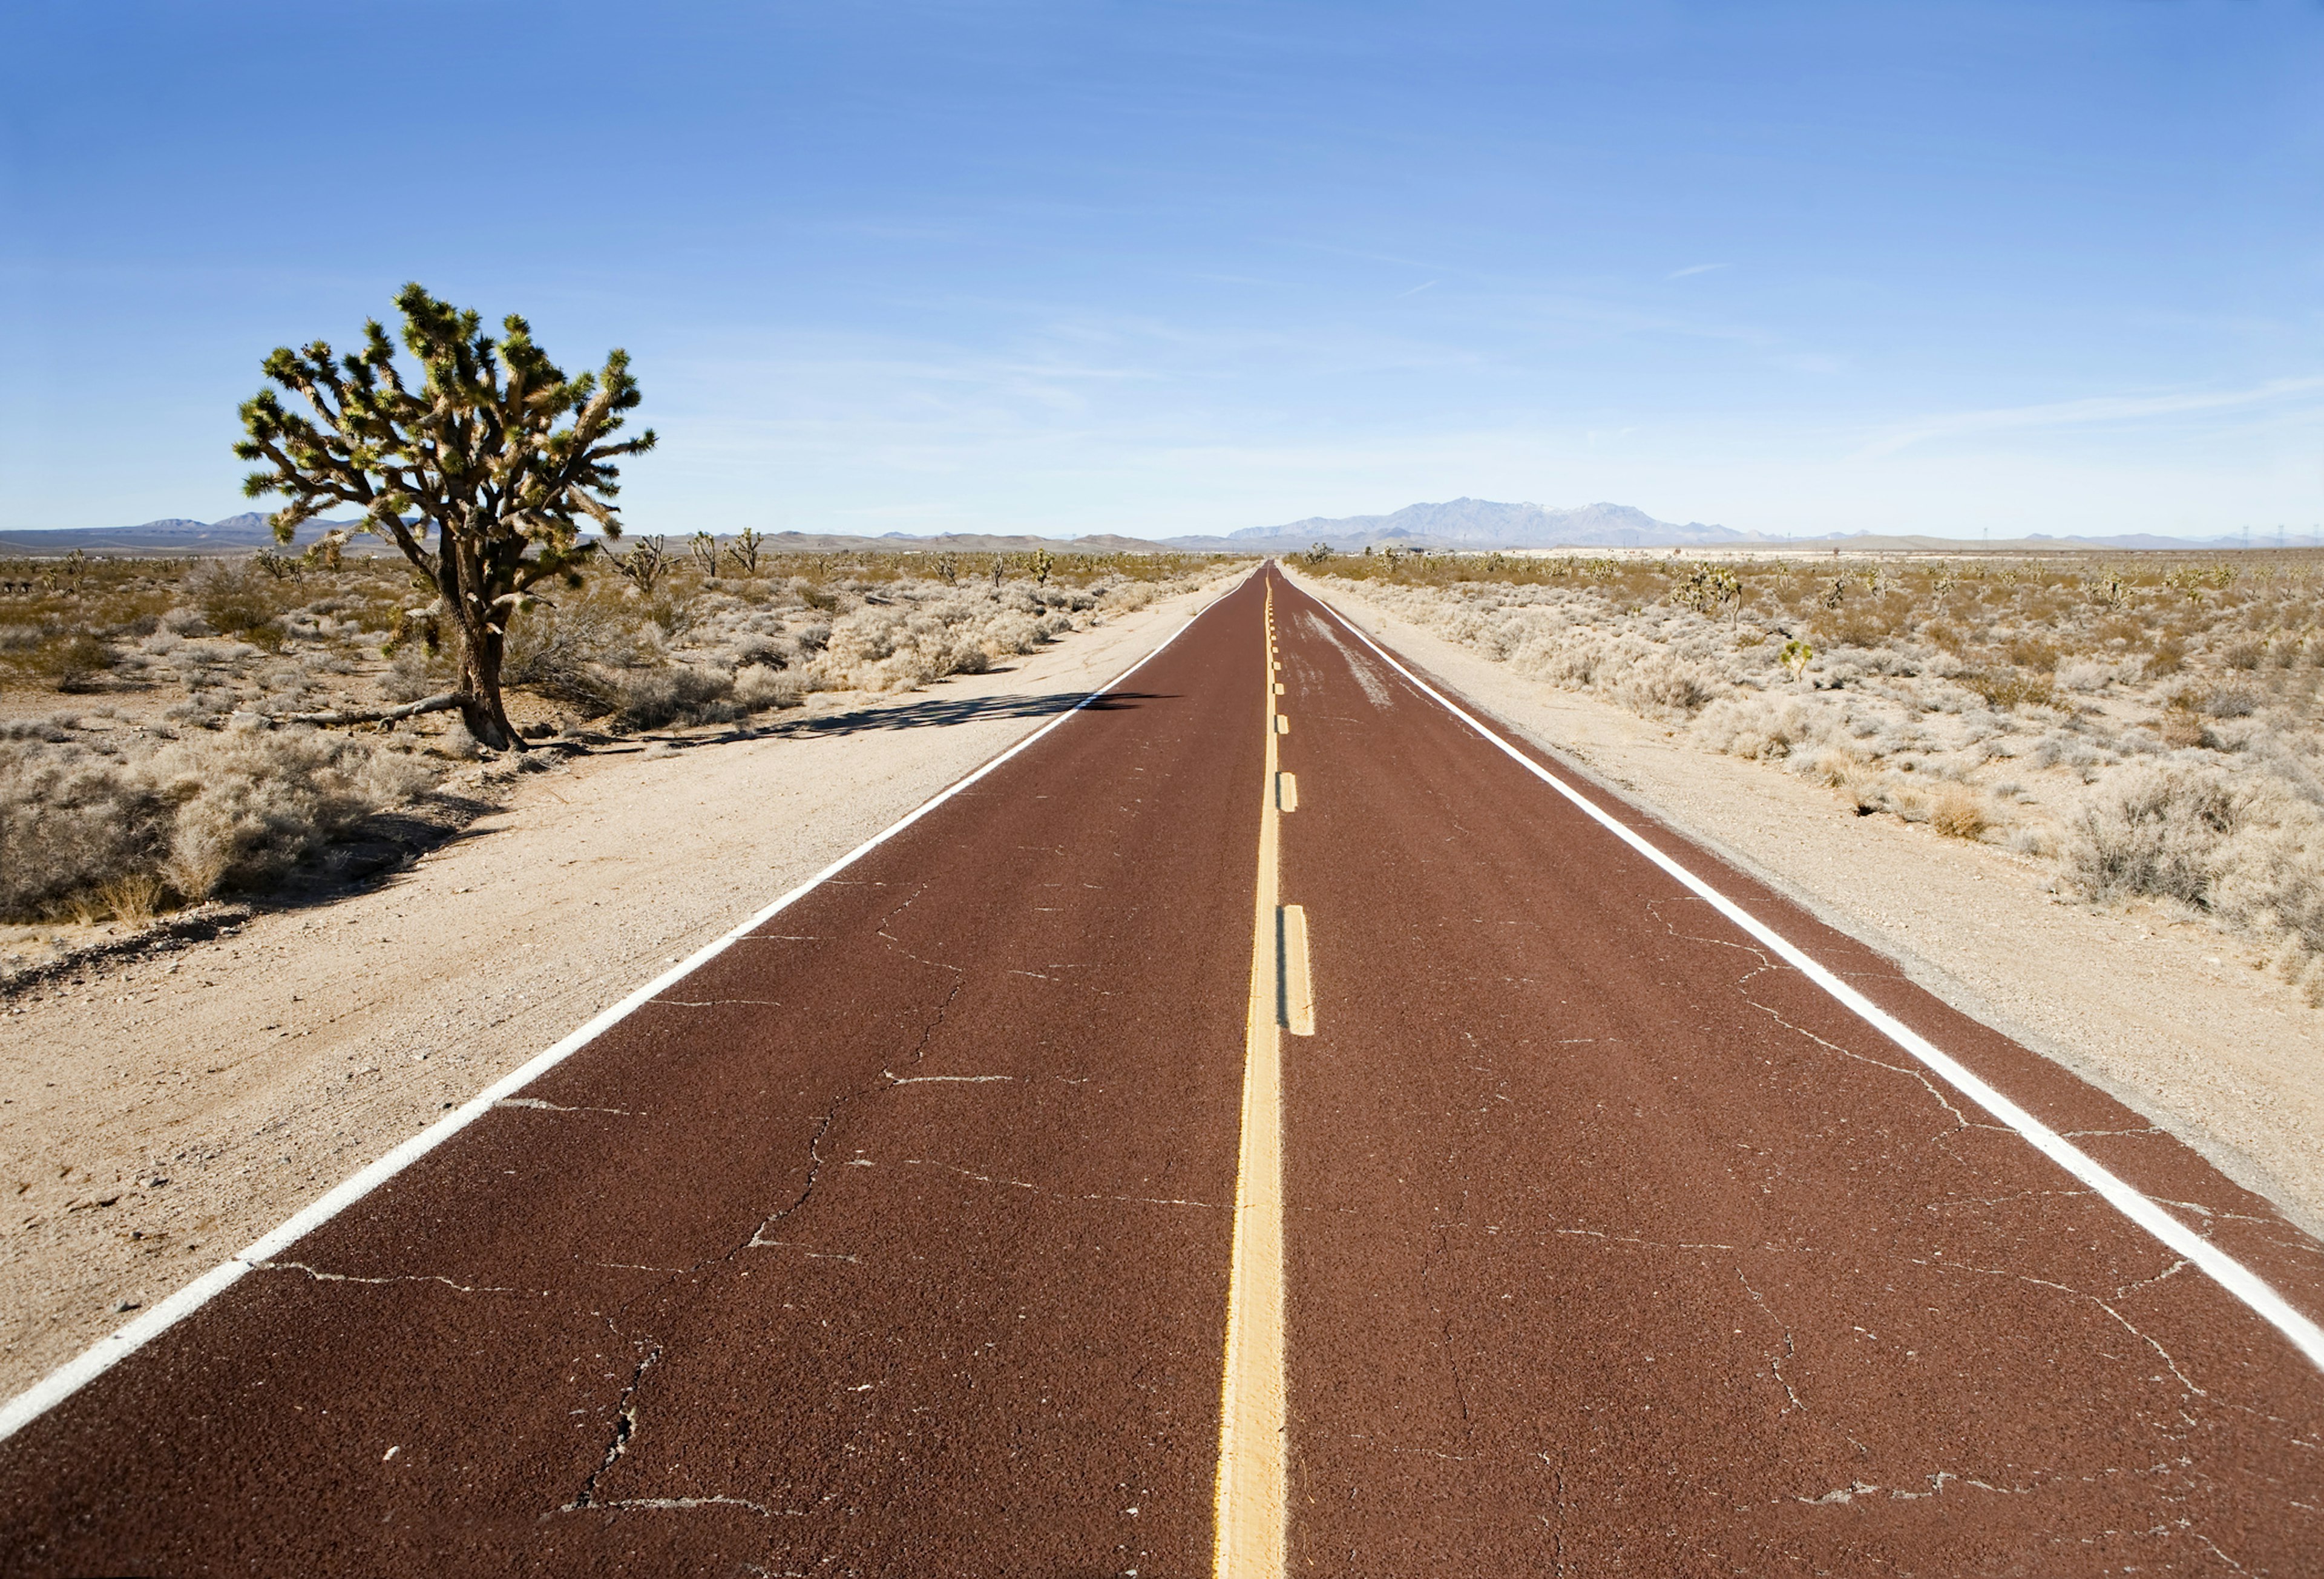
1274	1120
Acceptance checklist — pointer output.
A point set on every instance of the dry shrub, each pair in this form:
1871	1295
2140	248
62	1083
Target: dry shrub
574	654
2239	847
82	834
237	599
71	824
757	688
895	648
1658	682
1957	813
2009	688
1758	727
678	693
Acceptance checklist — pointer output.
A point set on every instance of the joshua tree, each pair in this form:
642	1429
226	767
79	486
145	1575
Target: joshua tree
480	477
643	564
743	552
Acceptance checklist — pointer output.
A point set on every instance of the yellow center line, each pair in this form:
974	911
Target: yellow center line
1252	1483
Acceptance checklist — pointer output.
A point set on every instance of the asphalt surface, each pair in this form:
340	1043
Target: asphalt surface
895	1240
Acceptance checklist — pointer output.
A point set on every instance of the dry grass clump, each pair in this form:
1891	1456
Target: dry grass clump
2155	723
1959	813
92	827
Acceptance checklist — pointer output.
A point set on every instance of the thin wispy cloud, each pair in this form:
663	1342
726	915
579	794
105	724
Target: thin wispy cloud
1416	290
1696	269
2094	410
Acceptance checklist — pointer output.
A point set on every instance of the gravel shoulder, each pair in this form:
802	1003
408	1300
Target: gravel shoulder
2183	1024
159	1111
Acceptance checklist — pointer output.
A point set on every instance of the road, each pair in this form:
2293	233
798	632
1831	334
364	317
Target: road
1251	1132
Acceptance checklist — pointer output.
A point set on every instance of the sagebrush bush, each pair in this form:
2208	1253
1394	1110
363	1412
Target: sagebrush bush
82	832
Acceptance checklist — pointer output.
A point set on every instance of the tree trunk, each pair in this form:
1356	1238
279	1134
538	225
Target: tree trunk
460	576
480	688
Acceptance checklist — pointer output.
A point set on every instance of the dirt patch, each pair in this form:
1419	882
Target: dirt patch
162	1107
2151	1003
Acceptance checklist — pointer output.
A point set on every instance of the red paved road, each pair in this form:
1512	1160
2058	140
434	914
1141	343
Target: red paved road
1618	1247
895	1241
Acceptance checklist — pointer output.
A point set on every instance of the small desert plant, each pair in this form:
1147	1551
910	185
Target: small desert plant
1958	813
1796	657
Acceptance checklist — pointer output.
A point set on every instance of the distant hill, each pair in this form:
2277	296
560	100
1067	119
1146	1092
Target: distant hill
1483	523
1475	523
247	533
966	542
2032	543
236	534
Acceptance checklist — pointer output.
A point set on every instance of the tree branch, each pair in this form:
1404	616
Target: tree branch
442	703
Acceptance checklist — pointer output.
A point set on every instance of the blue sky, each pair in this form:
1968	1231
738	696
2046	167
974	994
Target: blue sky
1165	268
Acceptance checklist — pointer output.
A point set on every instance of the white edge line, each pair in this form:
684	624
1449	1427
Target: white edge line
109	1351
2222	1267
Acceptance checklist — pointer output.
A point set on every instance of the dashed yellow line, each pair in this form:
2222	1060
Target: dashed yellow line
1251	1496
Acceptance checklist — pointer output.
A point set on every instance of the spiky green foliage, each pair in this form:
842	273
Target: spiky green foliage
481	475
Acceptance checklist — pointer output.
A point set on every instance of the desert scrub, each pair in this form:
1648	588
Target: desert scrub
92	826
2063	708
2241	847
718	636
701	647
108	626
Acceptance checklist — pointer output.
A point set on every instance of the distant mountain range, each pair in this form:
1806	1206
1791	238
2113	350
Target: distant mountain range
1457	524
1483	523
236	534
1475	523
247	533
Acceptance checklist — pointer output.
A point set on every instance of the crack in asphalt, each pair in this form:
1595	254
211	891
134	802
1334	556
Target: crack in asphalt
1444	1332
831	1114
1960	1120
1937	1479
718	1002
321	1276
625	1426
1790	1350
1019	1183
2127	1325
664	1504
1932	1265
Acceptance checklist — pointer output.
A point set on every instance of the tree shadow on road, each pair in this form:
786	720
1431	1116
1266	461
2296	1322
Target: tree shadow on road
936	711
